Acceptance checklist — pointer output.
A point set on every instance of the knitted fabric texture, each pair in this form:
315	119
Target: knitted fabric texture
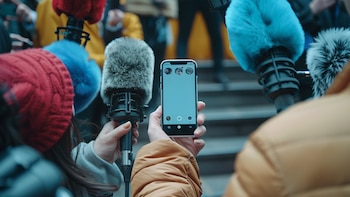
44	90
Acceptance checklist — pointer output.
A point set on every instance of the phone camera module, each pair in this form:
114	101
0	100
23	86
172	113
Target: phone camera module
167	71
178	71
189	71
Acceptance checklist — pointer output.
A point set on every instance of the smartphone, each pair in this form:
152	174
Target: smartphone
179	96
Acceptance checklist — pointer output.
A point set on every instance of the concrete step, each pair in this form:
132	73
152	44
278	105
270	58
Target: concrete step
240	120
214	185
230	67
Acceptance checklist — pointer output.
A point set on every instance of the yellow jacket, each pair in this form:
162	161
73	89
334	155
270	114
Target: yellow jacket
303	151
48	21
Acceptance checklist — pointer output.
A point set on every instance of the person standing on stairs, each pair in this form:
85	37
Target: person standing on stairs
213	21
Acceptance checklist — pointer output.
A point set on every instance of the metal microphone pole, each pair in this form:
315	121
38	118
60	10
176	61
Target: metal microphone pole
126	106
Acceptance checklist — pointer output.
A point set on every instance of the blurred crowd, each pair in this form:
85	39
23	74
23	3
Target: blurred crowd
48	123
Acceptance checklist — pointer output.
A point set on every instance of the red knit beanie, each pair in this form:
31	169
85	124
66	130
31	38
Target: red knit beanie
43	88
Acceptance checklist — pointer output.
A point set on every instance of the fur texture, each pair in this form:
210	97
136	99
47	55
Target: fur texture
85	73
129	64
327	56
255	26
90	10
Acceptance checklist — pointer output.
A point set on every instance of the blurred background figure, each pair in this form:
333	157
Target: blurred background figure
19	18
5	39
213	21
314	16
154	15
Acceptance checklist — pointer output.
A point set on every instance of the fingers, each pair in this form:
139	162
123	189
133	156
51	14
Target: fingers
200	116
112	131
135	136
200	105
200	131
109	126
200	119
199	144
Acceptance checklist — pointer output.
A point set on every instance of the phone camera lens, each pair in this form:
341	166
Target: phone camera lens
178	71
167	71
189	71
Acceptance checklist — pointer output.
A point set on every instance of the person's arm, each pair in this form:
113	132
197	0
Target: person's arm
167	167
46	23
113	25
318	6
347	5
101	170
164	168
99	156
307	13
132	26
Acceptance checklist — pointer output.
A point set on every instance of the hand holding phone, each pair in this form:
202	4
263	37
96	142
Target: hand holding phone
179	96
192	144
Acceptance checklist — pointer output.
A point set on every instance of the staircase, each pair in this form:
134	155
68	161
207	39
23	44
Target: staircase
232	113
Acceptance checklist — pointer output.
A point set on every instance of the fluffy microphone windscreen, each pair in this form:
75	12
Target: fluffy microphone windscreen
129	65
255	26
90	10
327	56
85	73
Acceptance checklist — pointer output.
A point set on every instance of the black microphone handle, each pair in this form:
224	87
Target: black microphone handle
127	155
277	75
127	158
126	105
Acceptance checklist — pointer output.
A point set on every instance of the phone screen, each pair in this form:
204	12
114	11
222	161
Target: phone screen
179	96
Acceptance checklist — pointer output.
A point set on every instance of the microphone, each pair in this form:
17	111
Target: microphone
127	79
327	56
78	11
267	38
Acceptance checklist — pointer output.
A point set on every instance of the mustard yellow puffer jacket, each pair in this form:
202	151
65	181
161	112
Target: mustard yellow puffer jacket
48	21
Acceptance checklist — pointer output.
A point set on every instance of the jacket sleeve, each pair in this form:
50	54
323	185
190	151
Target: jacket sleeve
101	170
164	168
311	23
132	26
47	23
255	166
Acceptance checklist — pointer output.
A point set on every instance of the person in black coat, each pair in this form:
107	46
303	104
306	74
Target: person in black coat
314	16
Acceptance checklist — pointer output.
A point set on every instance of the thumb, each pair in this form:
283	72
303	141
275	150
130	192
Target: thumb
155	132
